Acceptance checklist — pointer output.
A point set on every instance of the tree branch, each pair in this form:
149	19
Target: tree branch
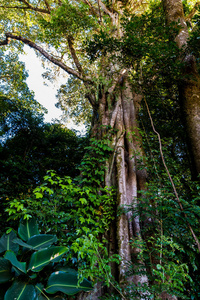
92	8
91	99
73	54
15	7
193	11
47	5
5	42
100	18
50	57
106	10
29	6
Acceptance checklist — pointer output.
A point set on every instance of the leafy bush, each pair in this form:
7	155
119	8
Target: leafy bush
30	261
78	211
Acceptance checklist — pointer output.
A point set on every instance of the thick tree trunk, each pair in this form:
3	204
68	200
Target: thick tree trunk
123	118
190	86
122	115
190	102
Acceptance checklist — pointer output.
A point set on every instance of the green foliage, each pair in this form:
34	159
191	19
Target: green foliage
66	282
27	278
145	37
28	229
68	20
72	101
100	44
81	210
78	211
167	249
16	100
15	117
13	80
35	148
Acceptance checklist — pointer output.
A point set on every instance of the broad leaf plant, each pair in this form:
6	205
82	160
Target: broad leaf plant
32	267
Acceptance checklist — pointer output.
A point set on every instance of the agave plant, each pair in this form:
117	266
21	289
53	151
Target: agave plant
30	262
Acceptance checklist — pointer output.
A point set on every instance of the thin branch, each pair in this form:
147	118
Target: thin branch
50	57
15	7
193	11
5	42
29	6
90	98
171	180
73	54
100	18
47	5
92	8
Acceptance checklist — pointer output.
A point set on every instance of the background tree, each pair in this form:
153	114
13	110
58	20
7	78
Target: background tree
14	91
189	85
36	148
28	146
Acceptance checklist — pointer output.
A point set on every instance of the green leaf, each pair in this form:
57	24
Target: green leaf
41	241
10	255
33	276
66	282
6	242
158	266
27	229
38	195
5	270
42	258
21	243
21	291
66	269
38	242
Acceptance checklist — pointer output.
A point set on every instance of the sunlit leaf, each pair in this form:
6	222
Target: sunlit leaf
42	258
66	282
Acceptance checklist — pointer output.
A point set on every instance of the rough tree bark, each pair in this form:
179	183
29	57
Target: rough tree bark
189	86
122	115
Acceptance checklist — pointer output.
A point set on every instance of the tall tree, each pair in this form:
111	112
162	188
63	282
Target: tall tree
64	28
189	87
